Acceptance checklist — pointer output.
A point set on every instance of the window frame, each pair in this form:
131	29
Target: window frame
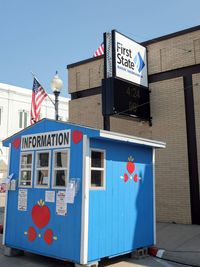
20	119
36	169
103	187
1	112
58	168
23	118
20	169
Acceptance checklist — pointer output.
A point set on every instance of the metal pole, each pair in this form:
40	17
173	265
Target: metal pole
106	122
56	105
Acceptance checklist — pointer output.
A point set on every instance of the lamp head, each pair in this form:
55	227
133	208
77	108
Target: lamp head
56	83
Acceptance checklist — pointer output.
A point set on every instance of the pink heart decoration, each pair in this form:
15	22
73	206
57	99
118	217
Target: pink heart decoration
77	136
48	236
136	178
16	143
31	234
125	177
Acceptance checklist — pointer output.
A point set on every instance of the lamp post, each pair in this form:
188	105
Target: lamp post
56	85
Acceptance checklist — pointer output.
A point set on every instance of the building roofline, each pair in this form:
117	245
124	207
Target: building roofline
84	61
25	91
171	35
144	43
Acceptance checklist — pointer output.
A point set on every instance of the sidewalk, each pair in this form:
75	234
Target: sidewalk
180	242
2	199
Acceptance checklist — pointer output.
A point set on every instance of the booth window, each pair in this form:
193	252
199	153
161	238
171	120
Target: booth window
97	169
61	166
42	169
26	169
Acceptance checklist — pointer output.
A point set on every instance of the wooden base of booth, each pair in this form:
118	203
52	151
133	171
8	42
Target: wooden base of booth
140	253
92	264
11	252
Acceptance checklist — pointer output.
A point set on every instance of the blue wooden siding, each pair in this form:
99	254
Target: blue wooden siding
121	216
67	228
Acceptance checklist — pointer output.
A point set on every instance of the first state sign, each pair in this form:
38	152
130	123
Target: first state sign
55	139
130	60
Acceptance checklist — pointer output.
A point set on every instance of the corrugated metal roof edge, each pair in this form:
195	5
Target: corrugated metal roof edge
131	139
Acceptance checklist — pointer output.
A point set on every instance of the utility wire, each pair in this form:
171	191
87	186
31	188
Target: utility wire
138	106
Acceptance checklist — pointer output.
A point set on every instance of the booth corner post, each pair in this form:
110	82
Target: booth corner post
56	85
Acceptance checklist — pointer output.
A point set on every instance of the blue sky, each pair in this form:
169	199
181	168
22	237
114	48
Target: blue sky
46	35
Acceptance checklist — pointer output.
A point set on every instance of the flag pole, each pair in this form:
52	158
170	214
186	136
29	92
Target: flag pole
43	88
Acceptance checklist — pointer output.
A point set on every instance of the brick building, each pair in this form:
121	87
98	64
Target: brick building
174	81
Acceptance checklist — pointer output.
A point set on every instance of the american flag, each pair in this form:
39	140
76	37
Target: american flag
99	51
38	95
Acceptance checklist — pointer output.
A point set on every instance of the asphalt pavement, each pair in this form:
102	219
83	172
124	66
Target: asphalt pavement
180	244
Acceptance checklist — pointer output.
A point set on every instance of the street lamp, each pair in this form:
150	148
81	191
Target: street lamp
56	85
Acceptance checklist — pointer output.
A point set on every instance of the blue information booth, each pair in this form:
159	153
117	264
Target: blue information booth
79	194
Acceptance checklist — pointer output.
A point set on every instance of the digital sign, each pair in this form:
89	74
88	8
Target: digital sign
122	98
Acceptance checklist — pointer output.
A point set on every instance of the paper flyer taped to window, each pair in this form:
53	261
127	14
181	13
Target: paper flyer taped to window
70	193
50	196
61	206
22	199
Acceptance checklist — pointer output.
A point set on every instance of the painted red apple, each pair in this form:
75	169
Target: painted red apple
77	136
125	177
40	214
16	143
136	178
48	236
31	233
130	166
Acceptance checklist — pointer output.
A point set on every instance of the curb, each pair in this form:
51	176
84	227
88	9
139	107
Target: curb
155	252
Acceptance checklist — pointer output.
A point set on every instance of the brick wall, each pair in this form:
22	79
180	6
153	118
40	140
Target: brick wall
86	111
173	53
196	92
85	76
168	112
172	177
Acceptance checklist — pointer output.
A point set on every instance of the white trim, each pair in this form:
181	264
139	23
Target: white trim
131	139
53	169
6	202
85	201
154	195
98	169
36	169
26	186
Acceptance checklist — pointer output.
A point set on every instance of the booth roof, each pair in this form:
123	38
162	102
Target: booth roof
96	133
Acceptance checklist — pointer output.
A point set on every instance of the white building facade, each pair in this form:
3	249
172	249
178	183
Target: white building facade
15	106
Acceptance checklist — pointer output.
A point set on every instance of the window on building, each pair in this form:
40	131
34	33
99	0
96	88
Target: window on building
97	169
61	167
42	169
26	163
23	119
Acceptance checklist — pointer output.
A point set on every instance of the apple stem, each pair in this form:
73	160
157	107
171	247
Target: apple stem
41	203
